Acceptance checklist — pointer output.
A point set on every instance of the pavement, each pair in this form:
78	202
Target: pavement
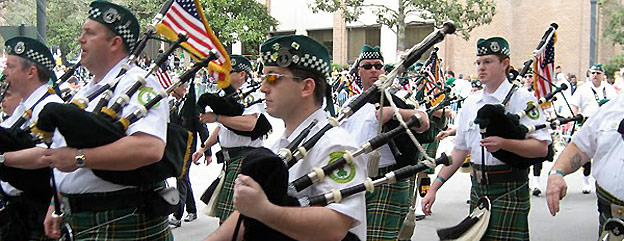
577	220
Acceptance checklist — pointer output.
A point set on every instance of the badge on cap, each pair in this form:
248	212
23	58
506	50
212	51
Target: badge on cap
19	47
284	59
233	62
494	46
111	15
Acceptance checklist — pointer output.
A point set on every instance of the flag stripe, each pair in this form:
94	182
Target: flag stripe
187	16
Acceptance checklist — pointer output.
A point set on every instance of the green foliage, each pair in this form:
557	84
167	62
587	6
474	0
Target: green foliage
614	11
613	31
466	14
246	21
248	18
615	63
64	24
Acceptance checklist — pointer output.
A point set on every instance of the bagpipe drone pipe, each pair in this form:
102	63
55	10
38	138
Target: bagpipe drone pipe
402	148
83	129
232	104
408	60
4	87
494	121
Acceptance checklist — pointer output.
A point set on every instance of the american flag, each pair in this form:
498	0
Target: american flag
544	66
434	73
164	78
354	86
187	16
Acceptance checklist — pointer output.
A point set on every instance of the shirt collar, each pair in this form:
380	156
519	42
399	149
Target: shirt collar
317	115
500	93
35	96
110	76
597	88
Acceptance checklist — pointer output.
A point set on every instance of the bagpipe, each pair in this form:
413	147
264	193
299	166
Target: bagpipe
233	104
83	129
369	185
271	172
494	121
79	128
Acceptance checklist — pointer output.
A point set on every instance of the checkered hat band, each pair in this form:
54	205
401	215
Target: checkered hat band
484	51
370	55
40	59
245	68
94	12
306	61
126	34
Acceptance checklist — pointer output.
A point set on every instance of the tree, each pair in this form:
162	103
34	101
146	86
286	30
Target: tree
614	13
64	26
246	21
466	14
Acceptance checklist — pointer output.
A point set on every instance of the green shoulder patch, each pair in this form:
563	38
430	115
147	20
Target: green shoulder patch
344	174
146	94
534	113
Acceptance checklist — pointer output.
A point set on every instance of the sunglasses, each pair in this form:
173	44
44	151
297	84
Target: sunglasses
596	72
369	66
271	78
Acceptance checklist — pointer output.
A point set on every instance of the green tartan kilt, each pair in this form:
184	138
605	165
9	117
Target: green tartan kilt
135	227
509	216
386	208
225	201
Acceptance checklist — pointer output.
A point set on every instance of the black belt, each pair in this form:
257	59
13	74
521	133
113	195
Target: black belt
96	202
612	205
496	174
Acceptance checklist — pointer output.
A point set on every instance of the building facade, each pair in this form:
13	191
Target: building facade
522	23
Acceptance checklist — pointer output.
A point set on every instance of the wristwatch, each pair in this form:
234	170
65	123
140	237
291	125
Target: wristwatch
1	160
80	158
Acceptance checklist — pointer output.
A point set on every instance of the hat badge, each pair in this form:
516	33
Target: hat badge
233	62
284	59
111	15
494	46
19	48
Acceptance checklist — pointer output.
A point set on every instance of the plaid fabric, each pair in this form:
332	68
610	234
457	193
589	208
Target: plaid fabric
509	216
607	199
135	227
386	208
225	202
